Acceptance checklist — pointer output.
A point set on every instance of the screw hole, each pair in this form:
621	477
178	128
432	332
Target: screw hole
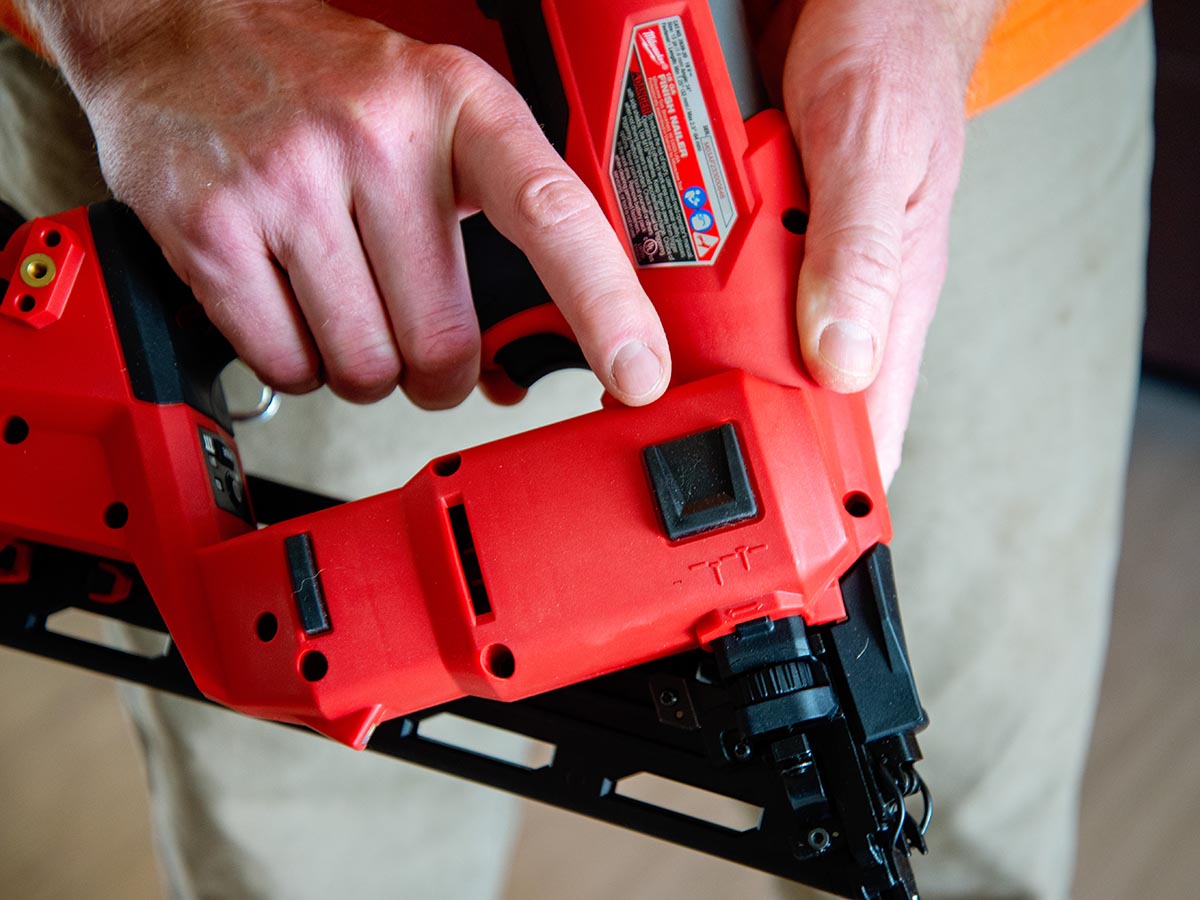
314	666
266	627
858	505
52	238
16	430
499	661
795	221
116	515
447	465
26	304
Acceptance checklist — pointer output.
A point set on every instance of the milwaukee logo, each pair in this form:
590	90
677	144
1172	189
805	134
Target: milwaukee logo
651	47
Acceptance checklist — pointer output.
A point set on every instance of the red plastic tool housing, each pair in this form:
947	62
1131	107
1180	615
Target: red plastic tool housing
511	568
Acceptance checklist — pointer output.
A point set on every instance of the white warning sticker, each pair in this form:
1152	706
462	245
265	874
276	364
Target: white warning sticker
666	170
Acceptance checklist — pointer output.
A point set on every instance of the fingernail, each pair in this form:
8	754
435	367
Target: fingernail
636	370
848	347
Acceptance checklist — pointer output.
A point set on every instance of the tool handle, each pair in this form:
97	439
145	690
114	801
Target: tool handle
705	190
173	352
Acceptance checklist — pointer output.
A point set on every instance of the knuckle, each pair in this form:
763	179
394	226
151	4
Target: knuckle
452	63
606	310
363	371
864	268
211	221
458	74
293	369
442	347
548	198
289	163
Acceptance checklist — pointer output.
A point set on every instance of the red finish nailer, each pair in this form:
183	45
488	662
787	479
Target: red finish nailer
738	524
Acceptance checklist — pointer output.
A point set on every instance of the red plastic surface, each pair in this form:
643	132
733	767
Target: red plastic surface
39	305
579	575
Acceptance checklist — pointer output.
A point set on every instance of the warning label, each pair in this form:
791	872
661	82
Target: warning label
667	173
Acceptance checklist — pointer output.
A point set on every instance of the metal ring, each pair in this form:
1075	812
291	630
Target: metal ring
268	405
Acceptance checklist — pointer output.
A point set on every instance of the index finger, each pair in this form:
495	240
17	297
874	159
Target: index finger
505	165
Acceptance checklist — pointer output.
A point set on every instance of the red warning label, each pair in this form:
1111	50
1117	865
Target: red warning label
667	173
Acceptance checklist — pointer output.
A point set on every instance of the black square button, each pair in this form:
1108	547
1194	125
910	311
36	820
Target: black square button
700	482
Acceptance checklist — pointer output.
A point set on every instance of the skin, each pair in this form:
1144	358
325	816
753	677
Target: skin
875	93
305	171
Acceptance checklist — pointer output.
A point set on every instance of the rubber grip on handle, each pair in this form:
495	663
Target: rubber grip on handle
173	353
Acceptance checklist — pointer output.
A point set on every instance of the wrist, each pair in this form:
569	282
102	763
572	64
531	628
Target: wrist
971	22
98	42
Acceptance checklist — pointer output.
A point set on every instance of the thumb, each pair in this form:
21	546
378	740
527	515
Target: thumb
851	272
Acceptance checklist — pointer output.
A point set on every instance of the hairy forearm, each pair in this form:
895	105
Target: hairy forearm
973	20
91	40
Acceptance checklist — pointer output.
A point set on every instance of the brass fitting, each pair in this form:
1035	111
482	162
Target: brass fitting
37	270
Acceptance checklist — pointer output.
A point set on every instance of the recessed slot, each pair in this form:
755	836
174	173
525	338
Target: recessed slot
468	560
486	740
690	801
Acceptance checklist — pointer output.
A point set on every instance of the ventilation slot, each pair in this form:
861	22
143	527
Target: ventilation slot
468	560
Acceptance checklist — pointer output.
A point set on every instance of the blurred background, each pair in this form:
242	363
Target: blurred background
75	821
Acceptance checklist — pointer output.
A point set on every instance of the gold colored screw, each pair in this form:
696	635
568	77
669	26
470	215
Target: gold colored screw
37	270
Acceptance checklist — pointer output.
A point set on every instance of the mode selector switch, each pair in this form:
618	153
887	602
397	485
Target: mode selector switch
700	482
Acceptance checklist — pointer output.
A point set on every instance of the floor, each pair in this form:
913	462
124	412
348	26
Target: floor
74	802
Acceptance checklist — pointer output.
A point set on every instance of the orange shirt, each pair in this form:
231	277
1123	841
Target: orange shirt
1034	37
1030	39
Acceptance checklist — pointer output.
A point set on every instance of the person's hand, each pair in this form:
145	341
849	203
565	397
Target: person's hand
305	172
875	93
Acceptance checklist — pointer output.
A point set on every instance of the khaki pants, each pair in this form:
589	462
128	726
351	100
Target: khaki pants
1006	515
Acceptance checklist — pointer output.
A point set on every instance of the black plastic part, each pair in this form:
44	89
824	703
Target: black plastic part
777	682
468	560
173	353
535	70
528	359
503	282
10	221
306	584
284	501
810	779
700	482
881	693
225	476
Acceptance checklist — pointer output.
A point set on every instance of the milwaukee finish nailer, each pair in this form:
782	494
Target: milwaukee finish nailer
699	589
